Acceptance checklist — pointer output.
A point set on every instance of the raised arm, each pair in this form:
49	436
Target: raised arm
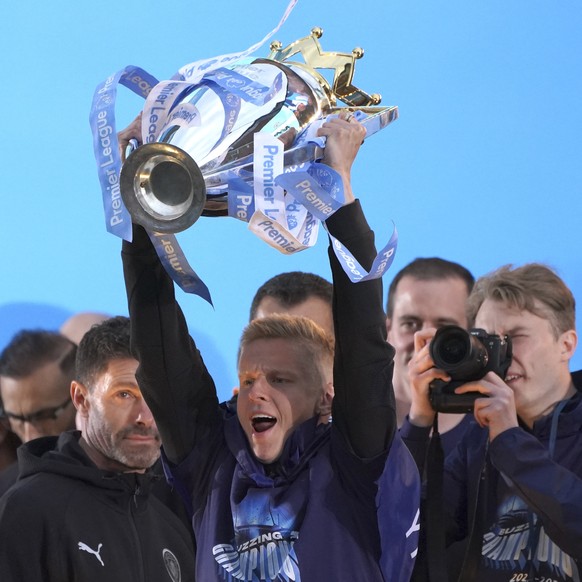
171	375
363	406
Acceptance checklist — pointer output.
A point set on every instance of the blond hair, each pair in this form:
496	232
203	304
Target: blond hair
316	343
534	287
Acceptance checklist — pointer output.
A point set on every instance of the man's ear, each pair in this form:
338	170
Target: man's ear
79	395
569	341
388	325
324	409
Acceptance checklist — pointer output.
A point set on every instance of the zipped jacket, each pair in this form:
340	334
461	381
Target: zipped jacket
66	520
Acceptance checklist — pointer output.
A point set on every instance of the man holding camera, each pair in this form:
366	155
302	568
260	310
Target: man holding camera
428	292
513	488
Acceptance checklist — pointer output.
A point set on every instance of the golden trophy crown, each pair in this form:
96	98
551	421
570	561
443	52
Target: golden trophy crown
343	65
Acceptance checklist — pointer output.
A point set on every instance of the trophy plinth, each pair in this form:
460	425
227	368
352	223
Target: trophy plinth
162	188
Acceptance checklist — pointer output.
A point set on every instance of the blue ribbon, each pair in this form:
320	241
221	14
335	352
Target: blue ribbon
105	145
177	266
319	188
244	87
241	199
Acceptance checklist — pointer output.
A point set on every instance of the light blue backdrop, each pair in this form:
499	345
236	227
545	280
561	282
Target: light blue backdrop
483	166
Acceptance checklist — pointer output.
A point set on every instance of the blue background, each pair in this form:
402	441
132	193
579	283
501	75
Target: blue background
483	166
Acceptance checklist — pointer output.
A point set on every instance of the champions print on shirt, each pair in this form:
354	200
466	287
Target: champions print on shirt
262	550
268	557
519	550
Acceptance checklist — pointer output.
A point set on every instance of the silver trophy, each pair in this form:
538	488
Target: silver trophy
206	141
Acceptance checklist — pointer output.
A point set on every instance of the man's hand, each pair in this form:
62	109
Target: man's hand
421	372
496	412
132	131
344	137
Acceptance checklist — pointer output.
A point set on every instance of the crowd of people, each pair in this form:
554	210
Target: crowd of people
331	461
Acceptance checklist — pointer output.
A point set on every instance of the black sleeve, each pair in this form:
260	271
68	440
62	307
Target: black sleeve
416	438
30	546
363	405
171	374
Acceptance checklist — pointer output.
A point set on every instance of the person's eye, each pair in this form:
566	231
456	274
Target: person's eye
410	326
246	382
278	380
124	394
44	415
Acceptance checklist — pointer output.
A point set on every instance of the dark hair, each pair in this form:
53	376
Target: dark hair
428	269
102	343
291	289
533	287
31	349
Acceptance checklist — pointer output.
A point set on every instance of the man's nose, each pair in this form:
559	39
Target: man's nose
30	431
259	388
144	414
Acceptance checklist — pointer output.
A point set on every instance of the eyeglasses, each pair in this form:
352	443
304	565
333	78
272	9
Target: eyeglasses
39	416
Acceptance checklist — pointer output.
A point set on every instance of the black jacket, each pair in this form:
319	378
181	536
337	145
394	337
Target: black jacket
67	520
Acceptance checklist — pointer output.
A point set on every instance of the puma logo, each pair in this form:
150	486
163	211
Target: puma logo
86	548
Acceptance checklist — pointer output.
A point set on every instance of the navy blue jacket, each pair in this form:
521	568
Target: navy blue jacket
312	517
533	506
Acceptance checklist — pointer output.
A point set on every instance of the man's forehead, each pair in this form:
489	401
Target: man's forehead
433	297
43	387
502	317
117	371
47	373
410	282
272	353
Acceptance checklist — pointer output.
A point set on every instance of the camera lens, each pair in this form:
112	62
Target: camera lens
450	346
459	353
453	351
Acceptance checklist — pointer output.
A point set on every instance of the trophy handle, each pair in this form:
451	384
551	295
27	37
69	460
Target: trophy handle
162	188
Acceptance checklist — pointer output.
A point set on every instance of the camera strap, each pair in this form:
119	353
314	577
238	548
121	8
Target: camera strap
434	522
435	519
475	540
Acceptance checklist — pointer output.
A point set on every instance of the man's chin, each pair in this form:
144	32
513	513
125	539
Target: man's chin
266	456
138	462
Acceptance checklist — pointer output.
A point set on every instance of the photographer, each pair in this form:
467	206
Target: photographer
513	486
428	292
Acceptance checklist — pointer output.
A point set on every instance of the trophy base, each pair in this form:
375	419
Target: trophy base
162	188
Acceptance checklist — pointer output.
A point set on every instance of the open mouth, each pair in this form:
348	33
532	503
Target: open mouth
261	423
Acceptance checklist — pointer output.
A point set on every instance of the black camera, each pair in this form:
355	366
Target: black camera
466	356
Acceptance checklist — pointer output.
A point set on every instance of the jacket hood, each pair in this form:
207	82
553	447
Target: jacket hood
63	455
570	419
303	443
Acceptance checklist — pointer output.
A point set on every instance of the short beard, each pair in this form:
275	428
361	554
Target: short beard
138	459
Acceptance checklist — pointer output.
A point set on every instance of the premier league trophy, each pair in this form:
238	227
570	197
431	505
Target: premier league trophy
199	137
234	136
